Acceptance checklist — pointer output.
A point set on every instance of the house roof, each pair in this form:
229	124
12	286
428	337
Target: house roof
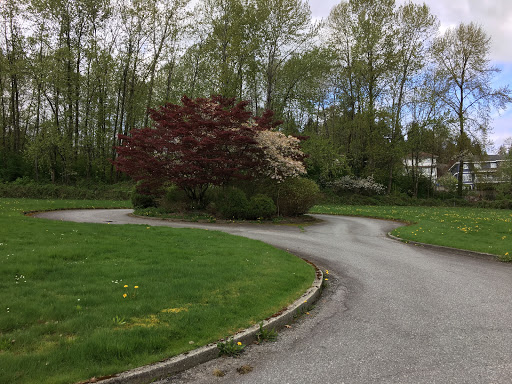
494	158
484	159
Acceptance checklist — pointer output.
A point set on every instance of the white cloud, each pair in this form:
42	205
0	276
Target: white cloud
495	16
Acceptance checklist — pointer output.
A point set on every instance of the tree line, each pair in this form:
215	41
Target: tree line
372	83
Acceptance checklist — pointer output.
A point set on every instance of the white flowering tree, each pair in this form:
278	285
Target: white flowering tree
283	157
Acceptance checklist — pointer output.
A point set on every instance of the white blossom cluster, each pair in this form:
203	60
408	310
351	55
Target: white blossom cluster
283	156
353	184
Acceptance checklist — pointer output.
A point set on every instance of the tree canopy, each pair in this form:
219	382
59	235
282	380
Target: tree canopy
76	74
466	74
203	142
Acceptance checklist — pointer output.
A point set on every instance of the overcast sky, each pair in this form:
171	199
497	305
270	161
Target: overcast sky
495	16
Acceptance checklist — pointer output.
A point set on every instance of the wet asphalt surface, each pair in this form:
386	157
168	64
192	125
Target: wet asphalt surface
390	313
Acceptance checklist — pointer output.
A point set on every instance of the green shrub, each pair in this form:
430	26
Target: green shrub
456	202
495	204
32	190
504	204
174	194
143	201
233	204
14	166
296	196
174	200
402	199
405	184
261	206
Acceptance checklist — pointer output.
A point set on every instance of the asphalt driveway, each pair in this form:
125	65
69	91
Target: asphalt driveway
392	312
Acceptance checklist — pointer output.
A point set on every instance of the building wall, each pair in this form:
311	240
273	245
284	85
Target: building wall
477	172
425	166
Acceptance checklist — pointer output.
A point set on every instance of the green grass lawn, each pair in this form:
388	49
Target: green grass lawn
476	229
66	315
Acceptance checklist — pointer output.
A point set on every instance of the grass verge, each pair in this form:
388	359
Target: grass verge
475	229
88	300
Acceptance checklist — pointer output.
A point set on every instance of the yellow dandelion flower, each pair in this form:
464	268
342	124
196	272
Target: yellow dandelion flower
124	295
126	286
136	287
326	279
239	343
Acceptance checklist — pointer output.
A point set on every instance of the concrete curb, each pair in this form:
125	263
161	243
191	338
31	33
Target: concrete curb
209	352
480	255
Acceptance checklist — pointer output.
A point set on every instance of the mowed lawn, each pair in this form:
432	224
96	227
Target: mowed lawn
89	300
475	229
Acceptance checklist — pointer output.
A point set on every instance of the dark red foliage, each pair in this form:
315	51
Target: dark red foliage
203	142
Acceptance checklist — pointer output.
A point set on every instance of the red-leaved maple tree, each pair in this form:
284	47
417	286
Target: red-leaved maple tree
202	142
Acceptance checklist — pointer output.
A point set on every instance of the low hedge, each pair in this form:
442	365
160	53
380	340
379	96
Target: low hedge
404	200
233	203
57	191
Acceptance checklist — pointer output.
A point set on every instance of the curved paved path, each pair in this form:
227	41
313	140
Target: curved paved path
392	313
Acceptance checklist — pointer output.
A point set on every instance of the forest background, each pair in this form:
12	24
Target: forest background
366	85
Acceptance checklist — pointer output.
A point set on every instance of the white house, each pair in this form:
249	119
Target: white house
423	163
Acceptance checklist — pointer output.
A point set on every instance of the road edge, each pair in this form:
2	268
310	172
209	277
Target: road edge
480	255
187	360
